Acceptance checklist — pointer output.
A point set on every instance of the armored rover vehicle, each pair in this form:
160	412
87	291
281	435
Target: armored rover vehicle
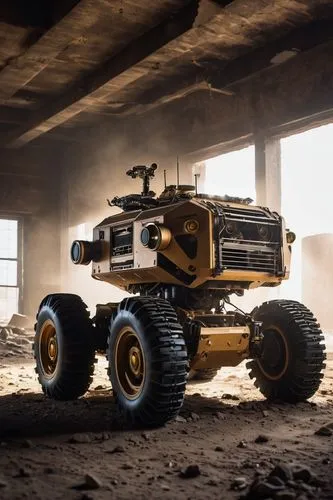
181	256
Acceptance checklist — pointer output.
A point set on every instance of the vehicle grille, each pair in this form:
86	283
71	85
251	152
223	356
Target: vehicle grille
250	239
249	259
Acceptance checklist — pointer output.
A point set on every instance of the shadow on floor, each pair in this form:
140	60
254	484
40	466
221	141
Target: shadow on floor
25	415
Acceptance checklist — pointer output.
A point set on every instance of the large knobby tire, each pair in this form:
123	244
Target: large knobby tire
290	368
202	375
63	346
147	361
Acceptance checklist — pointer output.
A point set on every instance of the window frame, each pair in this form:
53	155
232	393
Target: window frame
18	259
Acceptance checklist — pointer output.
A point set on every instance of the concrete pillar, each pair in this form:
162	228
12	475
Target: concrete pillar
268	192
317	277
268	172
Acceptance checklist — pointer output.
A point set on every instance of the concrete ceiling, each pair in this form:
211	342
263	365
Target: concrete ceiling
65	63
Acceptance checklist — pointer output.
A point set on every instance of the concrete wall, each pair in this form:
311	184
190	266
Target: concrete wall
29	191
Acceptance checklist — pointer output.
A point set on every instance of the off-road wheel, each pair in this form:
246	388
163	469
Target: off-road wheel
147	361
63	346
292	360
202	375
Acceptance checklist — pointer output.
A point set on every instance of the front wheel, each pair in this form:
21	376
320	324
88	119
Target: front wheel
292	360
63	346
147	361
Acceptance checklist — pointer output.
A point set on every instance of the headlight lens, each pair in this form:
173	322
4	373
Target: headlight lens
83	252
155	237
291	237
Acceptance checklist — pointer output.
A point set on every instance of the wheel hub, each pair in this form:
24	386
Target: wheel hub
275	355
48	346
129	363
135	360
52	349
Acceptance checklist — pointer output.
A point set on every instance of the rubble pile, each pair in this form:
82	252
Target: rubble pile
16	337
286	482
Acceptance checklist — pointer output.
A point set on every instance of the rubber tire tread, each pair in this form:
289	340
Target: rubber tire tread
74	330
161	336
306	350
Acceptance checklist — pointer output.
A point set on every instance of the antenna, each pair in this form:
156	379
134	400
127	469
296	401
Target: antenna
177	171
196	182
165	180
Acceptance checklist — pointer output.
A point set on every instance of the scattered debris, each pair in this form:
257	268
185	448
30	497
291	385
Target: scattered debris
282	471
232	397
220	415
127	466
85	496
265	488
92	482
100	388
324	431
285	482
80	438
23	473
117	449
180	419
194	416
190	472
261	439
302	473
16	338
239	483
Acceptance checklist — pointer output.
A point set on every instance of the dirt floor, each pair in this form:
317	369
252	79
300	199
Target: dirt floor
226	432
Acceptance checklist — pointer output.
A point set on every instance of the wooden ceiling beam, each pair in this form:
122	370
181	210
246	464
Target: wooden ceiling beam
22	69
221	76
101	83
178	35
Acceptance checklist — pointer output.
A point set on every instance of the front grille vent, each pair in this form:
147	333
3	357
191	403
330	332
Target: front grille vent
251	260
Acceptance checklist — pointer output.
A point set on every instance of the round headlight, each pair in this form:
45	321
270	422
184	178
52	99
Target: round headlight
155	237
83	252
291	237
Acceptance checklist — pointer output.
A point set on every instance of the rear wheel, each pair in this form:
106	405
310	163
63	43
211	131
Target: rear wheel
147	360
63	346
290	368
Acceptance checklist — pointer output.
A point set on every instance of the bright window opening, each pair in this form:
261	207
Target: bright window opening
307	207
9	269
232	174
